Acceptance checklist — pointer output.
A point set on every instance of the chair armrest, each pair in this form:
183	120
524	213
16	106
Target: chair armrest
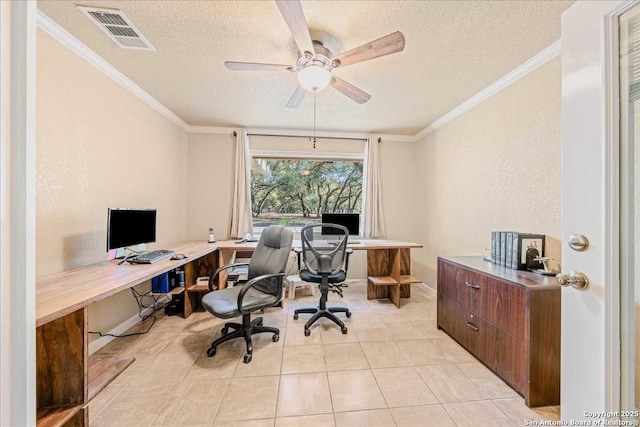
250	283
346	262
212	278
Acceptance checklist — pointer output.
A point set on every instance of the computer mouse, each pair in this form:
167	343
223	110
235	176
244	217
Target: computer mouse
179	256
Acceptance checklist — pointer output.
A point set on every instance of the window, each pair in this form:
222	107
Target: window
294	193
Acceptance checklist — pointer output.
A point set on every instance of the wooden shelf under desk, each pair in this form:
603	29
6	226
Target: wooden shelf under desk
58	416
382	281
103	370
408	279
198	288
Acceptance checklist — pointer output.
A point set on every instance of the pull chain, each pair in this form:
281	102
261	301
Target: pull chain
314	120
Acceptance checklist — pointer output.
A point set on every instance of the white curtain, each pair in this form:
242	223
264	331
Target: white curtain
241	220
373	217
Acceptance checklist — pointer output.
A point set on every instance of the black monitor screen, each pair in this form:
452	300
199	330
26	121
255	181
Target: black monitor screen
349	220
127	227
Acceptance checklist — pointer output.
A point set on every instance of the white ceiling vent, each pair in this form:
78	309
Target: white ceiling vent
115	24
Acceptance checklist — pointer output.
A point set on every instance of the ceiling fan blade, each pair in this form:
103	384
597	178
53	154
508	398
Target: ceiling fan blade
296	98
358	95
386	45
293	15
254	66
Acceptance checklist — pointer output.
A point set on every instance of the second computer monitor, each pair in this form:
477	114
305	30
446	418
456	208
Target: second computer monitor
349	220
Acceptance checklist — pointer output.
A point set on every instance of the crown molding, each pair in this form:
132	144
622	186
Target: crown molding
218	130
63	36
535	62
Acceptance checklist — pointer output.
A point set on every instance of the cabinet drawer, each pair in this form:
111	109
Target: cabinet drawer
498	350
505	307
463	286
505	355
461	324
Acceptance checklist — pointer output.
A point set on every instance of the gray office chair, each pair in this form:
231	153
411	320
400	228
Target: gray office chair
326	264
264	289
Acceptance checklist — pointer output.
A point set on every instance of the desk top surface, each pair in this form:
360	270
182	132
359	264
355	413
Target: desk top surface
62	293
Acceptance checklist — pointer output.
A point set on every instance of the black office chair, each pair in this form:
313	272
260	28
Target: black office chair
325	263
264	289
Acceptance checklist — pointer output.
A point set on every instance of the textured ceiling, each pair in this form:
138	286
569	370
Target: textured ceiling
453	50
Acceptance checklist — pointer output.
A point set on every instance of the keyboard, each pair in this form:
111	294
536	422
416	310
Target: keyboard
151	257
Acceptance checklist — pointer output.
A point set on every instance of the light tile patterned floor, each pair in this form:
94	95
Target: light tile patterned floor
393	368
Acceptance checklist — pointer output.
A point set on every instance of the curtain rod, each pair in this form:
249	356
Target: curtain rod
320	137
308	136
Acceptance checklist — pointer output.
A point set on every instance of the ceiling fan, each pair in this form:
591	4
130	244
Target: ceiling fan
316	63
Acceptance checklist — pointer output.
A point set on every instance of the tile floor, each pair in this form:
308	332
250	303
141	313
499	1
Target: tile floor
393	368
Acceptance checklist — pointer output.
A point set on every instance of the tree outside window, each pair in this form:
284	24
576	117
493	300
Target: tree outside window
296	192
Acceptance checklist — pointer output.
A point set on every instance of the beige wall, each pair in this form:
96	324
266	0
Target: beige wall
98	146
209	185
496	167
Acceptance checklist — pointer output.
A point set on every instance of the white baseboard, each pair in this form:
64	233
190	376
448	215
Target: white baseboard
120	329
426	287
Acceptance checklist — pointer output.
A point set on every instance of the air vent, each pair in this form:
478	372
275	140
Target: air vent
115	24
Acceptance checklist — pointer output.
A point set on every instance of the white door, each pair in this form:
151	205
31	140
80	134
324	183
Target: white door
590	365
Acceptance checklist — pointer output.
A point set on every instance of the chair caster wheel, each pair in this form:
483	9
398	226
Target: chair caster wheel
295	316
247	358
344	330
276	337
211	352
348	313
307	332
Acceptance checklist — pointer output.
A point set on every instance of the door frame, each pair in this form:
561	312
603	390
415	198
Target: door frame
17	213
617	397
625	354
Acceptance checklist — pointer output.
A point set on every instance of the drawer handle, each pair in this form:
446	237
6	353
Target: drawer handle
472	326
471	285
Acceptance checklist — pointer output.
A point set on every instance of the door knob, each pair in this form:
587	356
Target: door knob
576	279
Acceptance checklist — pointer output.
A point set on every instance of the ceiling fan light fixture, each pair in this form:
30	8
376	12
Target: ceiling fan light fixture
314	78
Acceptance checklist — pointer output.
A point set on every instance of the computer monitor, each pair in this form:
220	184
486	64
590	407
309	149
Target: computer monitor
349	220
127	227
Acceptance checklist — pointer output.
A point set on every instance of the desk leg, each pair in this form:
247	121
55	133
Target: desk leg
62	365
224	257
390	265
405	270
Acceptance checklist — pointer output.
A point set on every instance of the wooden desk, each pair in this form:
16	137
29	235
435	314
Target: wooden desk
67	378
388	265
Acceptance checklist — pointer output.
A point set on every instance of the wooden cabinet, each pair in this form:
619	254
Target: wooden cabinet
508	319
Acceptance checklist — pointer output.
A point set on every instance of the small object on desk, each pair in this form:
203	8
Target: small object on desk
545	270
248	238
149	257
179	256
212	238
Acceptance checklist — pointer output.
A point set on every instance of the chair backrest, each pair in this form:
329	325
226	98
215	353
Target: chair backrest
271	256
336	249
